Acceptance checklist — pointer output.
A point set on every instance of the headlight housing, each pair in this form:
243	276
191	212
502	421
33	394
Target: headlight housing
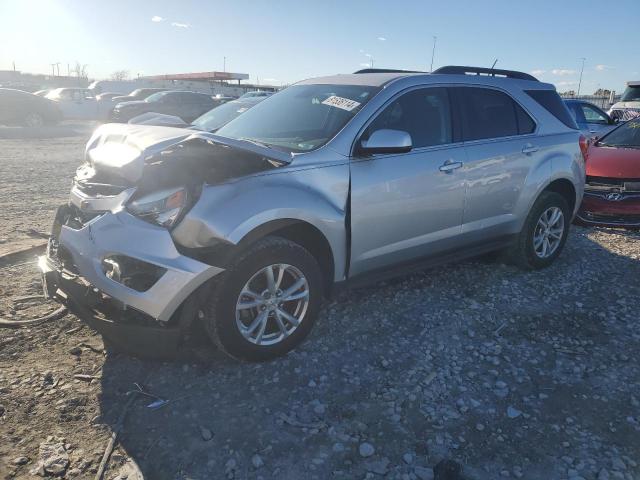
163	208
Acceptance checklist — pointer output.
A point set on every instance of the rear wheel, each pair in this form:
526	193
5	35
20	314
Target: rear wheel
544	233
266	302
33	120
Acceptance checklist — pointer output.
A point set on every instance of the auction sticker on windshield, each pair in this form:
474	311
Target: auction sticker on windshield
340	102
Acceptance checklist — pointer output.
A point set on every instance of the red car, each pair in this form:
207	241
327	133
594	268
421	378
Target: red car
612	190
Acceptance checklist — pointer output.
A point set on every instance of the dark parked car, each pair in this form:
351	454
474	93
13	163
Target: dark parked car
138	94
23	108
186	105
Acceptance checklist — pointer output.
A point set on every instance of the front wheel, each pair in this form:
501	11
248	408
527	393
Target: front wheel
266	302
544	233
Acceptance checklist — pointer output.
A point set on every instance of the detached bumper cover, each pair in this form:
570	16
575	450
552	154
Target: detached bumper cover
610	209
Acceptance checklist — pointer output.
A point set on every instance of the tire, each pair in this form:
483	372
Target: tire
228	320
33	120
523	253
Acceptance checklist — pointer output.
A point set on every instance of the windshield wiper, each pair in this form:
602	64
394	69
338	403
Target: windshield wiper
255	142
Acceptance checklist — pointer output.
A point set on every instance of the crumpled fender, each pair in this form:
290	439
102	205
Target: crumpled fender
229	212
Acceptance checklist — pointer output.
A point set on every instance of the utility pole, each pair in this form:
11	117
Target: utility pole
68	70
433	52
53	69
14	65
580	81
224	64
58	69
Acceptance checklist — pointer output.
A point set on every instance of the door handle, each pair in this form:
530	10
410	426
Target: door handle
527	149
449	166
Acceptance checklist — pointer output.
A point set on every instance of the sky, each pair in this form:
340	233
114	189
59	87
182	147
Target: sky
282	41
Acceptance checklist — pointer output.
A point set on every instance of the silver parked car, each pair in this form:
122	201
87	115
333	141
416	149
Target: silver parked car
334	180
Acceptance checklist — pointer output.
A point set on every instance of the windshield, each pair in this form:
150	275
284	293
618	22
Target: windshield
631	94
155	97
219	116
300	118
626	135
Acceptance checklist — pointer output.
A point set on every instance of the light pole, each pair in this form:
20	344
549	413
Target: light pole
433	52
580	81
224	64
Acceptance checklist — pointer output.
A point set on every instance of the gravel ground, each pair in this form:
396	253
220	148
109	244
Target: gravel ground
502	373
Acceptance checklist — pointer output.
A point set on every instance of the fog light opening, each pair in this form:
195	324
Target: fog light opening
132	273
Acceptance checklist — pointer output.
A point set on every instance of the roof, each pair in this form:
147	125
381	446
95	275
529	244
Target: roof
379	77
635	83
363	79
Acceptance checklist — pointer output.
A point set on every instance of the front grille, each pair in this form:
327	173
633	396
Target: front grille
625	114
606	184
93	189
77	218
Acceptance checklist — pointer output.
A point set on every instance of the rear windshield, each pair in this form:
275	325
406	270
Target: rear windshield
626	135
552	102
300	118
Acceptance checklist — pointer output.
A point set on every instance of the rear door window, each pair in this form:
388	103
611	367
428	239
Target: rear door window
488	113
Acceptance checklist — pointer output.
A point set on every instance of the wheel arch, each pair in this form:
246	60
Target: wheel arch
304	234
566	189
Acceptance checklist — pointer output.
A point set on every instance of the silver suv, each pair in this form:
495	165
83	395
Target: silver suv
334	180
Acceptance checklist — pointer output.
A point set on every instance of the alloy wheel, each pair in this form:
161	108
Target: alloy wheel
272	304
33	120
547	235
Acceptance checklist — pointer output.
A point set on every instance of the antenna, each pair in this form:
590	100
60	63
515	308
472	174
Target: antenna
494	64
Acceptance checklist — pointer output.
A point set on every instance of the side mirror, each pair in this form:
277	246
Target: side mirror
613	120
386	141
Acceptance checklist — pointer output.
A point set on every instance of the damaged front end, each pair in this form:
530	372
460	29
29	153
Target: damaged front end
111	257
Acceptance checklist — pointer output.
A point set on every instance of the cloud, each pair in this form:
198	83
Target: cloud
180	25
368	55
270	80
365	64
537	72
157	19
563	71
566	84
602	68
382	39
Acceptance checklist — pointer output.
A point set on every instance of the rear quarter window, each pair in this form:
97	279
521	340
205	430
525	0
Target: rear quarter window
551	102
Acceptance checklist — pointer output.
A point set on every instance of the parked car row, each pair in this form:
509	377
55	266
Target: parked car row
23	108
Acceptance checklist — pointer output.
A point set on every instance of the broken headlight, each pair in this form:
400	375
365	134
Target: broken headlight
163	208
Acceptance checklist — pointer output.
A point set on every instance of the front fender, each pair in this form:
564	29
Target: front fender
229	212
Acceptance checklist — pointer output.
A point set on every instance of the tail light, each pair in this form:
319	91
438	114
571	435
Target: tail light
584	146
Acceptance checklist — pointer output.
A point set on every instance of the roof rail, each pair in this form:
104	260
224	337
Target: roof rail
460	70
385	70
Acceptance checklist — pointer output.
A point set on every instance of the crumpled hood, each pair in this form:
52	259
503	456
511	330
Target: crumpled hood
613	162
122	150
